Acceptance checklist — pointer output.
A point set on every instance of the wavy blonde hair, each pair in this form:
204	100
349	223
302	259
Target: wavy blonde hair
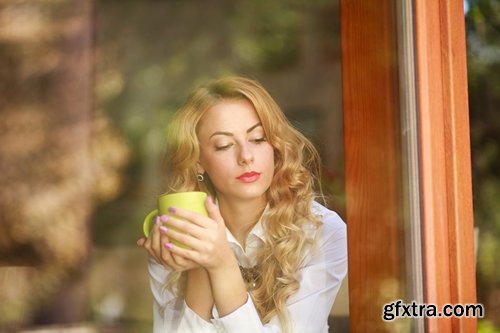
296	174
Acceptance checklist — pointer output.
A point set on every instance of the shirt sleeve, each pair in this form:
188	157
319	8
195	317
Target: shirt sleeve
171	314
320	280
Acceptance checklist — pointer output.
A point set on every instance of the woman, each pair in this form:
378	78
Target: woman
268	258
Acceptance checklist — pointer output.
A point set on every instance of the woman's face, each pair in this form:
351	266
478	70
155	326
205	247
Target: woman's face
234	151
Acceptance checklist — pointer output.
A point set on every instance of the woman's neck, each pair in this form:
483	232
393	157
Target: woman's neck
240	216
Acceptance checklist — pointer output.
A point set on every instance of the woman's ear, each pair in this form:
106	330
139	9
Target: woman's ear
199	168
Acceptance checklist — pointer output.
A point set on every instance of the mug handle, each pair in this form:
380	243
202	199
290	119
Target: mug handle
146	226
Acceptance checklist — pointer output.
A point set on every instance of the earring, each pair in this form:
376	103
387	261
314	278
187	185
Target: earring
200	177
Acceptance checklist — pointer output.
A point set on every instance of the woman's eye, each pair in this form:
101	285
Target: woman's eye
259	140
223	147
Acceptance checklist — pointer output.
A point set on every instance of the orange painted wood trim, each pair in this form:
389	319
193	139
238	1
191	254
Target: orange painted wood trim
445	160
372	148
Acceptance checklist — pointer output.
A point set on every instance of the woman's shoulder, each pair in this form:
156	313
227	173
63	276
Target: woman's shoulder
327	216
332	223
329	237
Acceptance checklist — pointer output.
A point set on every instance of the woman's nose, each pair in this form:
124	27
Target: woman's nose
245	155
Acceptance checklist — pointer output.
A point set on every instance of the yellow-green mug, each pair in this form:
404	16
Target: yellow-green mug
192	201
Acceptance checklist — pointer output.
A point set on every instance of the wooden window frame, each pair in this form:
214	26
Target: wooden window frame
373	149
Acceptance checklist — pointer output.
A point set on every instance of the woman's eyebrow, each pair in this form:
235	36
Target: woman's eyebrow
231	134
221	133
253	127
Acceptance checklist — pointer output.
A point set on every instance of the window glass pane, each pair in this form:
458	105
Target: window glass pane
146	68
89	90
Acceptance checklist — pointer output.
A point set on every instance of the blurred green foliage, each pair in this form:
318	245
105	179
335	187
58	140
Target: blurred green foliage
87	89
483	57
147	65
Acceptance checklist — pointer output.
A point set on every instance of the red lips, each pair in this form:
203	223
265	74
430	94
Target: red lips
249	177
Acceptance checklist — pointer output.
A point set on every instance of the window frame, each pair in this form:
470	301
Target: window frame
373	149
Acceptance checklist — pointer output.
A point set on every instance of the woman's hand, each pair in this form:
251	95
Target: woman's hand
154	244
209	248
198	293
204	236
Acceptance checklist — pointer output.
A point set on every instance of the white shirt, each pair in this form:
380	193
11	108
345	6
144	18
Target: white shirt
320	277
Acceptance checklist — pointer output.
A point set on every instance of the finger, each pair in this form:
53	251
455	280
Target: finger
140	242
183	262
174	262
168	260
165	253
195	218
183	226
185	254
147	247
213	210
153	243
183	238
155	237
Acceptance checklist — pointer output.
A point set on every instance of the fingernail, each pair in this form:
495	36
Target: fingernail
164	218
211	199
172	210
158	222
168	246
163	229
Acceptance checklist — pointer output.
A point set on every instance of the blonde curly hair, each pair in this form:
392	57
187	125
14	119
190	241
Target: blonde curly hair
296	174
